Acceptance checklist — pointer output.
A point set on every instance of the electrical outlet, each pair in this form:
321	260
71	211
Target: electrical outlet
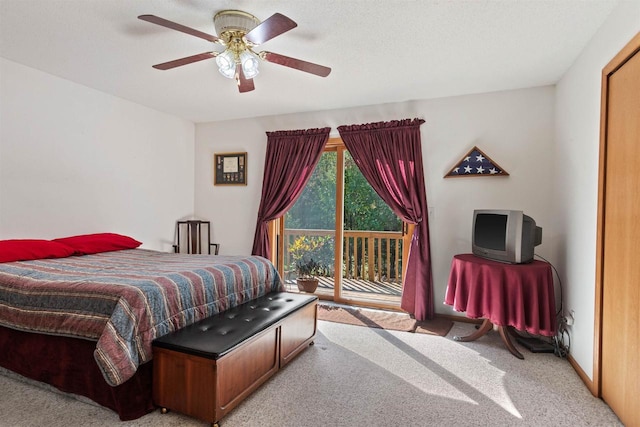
570	318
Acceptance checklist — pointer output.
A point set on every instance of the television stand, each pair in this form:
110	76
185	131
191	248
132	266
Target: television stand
518	296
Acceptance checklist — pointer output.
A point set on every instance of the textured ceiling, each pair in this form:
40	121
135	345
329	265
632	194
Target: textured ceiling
380	51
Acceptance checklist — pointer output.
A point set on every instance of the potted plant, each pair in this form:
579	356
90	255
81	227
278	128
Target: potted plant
307	269
308	256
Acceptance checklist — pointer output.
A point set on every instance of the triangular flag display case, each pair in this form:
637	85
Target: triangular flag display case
476	163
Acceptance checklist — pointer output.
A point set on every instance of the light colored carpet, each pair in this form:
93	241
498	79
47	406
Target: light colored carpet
357	376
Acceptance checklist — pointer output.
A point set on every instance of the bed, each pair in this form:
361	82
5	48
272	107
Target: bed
85	324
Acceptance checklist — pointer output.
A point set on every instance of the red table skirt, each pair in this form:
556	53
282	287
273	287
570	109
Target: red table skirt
518	295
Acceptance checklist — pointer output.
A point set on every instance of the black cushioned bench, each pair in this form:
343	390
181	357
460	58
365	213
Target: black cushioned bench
209	367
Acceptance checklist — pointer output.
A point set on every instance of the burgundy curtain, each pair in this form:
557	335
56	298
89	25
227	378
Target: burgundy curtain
389	154
290	160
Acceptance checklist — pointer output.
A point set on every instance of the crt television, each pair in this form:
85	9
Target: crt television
504	235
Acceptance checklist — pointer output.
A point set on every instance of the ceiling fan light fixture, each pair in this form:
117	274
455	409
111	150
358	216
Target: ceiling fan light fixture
234	20
226	64
229	73
250	64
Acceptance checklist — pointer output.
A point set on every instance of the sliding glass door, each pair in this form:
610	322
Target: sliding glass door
338	205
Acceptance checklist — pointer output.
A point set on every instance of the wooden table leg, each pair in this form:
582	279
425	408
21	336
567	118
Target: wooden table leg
505	334
484	328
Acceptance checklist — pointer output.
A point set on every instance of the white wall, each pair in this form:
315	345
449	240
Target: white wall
576	183
514	128
74	160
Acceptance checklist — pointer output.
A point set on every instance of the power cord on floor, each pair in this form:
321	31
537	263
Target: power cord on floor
562	341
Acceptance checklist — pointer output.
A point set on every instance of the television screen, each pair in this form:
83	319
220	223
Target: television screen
504	235
491	230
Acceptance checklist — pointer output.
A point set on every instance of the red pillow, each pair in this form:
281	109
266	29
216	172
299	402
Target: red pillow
100	242
29	249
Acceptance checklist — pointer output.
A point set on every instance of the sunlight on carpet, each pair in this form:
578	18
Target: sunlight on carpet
444	365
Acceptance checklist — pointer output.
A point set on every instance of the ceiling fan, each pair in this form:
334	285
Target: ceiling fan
239	32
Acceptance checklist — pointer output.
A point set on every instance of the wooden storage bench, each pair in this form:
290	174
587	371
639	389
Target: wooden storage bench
208	368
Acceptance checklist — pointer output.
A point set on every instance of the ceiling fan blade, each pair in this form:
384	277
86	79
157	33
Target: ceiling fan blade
178	27
270	28
298	64
184	61
244	84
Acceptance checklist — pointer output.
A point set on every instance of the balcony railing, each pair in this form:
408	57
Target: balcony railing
367	255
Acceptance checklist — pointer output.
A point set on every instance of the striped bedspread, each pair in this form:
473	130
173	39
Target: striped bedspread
125	299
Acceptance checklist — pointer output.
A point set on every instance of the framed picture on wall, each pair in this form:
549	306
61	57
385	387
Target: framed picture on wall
230	169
